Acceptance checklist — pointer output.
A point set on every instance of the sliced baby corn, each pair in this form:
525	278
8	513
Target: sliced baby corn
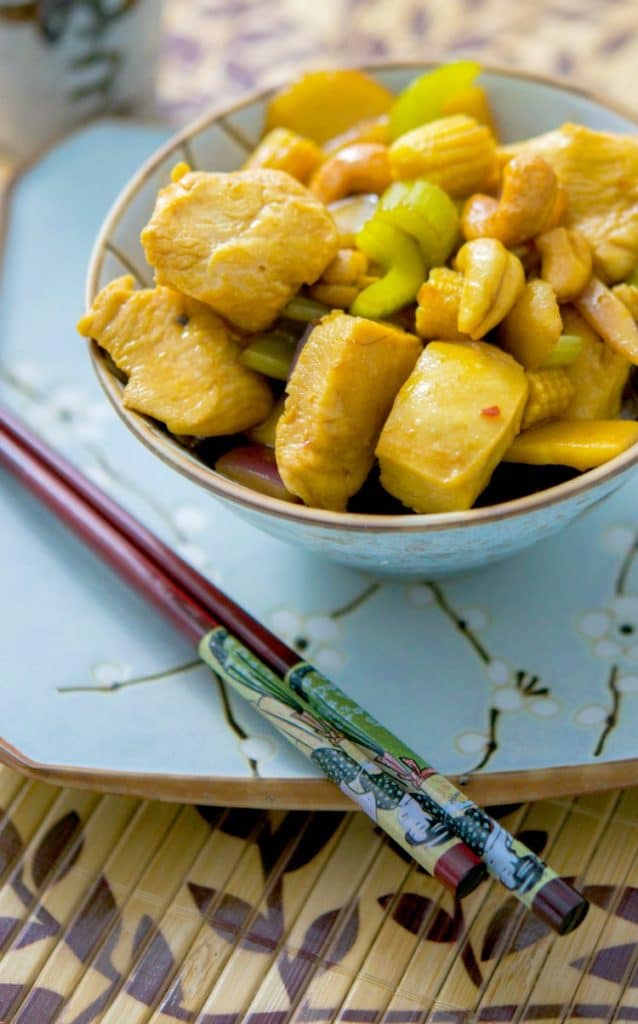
549	395
439	301
456	153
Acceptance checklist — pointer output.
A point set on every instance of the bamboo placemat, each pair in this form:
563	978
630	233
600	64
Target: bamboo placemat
120	911
131	912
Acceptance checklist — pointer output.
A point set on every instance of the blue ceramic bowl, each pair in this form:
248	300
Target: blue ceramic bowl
393	545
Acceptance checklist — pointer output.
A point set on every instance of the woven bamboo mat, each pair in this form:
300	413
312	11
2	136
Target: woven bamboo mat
130	912
119	911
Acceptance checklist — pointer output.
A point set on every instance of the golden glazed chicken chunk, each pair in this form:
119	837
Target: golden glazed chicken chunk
339	395
243	243
599	173
182	363
451	424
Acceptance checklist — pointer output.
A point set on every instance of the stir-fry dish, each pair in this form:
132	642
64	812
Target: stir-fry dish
386	307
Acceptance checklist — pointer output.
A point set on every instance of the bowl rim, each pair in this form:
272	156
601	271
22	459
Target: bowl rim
179	458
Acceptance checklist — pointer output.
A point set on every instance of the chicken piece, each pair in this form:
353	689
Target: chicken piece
339	395
599	172
450	425
182	363
243	242
598	374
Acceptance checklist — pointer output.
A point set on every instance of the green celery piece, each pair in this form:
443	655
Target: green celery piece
565	351
633	277
426	212
399	255
423	99
307	310
269	353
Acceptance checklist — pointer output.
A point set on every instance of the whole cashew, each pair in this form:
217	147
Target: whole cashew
528	200
364	167
493	279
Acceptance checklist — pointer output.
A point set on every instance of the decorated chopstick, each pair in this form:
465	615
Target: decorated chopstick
506	858
413	803
138	555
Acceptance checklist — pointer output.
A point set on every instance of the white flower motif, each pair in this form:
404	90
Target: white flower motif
613	631
287	623
471	742
498	672
474	618
70	415
507	698
258	748
618	538
328	659
590	714
543	707
627	684
314	636
190	520
321	628
111	673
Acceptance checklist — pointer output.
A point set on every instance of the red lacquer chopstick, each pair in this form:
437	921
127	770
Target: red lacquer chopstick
419	809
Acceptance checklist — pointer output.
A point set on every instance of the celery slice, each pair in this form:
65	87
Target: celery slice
633	277
565	351
399	255
307	310
426	212
423	99
269	353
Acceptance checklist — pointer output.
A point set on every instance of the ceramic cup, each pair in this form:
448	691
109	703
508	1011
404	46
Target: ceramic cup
64	61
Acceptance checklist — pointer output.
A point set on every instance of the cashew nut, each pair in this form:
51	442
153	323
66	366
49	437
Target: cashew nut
527	202
493	280
364	167
605	312
565	261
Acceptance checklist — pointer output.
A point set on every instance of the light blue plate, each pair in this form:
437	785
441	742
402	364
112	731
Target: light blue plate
529	668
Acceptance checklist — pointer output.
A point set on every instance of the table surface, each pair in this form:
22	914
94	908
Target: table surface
118	910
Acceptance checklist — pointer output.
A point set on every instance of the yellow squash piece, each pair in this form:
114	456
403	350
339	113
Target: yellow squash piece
283	150
182	363
472	101
451	423
242	242
599	172
323	104
533	326
339	396
598	374
610	317
581	444
456	153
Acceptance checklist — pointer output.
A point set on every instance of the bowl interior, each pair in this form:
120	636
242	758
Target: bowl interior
523	105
